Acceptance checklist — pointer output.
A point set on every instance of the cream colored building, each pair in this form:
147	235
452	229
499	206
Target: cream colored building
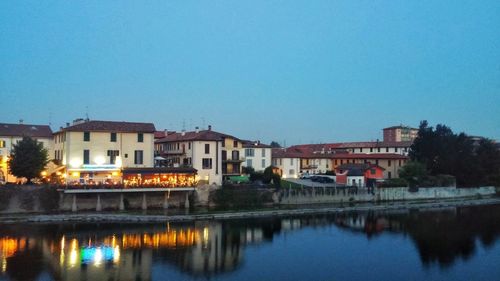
96	151
257	155
287	161
10	134
214	155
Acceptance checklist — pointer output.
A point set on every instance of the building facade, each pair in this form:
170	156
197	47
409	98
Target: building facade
214	155
10	134
96	151
257	155
400	134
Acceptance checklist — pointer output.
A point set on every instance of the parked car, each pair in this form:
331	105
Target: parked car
322	179
305	176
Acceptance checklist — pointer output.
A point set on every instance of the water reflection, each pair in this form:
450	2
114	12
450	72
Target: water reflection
204	249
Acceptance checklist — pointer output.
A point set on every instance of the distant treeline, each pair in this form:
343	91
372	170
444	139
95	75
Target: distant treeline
473	161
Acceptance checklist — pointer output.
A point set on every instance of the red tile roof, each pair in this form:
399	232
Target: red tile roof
294	152
204	135
350	145
254	144
368	156
20	130
111	126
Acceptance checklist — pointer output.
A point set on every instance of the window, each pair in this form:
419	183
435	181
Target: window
224	155
388	163
86	136
206	163
113	137
138	157
291	172
341	161
249	162
235	144
373	171
140	137
361	150
291	161
386	149
399	163
281	162
336	162
189	145
249	152
112	156
371	149
378	149
376	162
86	156
2	144
263	163
389	175
263	152
395	149
207	148
235	155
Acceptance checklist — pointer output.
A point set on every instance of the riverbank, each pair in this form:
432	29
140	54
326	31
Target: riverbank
149	218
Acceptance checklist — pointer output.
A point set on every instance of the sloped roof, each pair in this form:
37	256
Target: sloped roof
20	130
254	144
357	169
349	145
204	135
399	127
111	126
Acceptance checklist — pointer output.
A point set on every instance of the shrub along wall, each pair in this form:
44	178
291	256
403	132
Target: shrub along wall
29	198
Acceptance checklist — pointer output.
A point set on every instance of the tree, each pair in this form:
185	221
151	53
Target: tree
275	144
413	172
28	159
443	152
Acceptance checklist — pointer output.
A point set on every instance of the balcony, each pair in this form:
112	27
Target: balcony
233	160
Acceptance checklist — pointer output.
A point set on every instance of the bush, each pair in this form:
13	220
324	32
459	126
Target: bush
256	176
240	197
397	182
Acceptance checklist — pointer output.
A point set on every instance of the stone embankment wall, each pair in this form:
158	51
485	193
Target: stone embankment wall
319	195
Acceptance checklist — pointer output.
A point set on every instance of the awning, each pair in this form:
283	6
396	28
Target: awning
159	170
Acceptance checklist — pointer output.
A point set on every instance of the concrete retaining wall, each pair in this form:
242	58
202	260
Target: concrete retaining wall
402	193
320	195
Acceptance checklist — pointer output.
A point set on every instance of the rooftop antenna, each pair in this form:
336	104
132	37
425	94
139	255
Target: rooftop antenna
203	122
183	124
87	112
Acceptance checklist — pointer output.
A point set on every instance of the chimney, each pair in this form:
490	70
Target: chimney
67	124
21	121
197	129
165	132
183	133
210	127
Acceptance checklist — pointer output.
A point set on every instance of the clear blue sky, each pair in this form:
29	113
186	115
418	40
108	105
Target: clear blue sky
300	71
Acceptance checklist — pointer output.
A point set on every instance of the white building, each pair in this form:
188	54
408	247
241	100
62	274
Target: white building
287	161
257	155
214	155
96	151
10	134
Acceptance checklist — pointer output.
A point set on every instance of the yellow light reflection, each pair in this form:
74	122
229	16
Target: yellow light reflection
116	255
4	264
73	255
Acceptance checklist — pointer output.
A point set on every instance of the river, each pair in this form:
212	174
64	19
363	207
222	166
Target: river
459	243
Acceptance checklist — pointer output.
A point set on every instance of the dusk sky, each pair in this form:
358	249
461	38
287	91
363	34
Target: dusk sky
300	71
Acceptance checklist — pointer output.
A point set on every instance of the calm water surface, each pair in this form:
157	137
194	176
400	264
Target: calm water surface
448	244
